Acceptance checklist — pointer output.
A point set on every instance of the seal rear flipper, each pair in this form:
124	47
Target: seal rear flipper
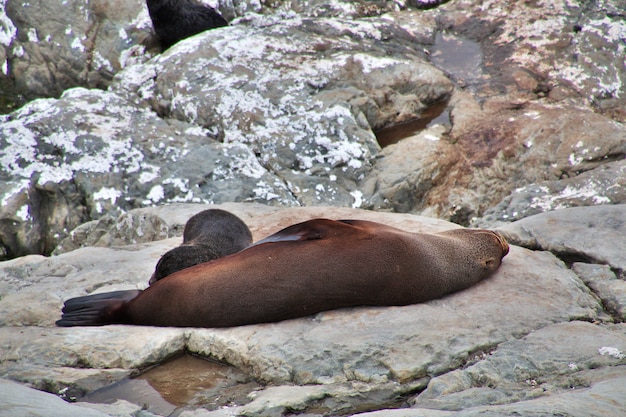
96	309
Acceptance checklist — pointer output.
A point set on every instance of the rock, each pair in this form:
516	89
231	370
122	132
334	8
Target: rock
91	154
404	173
603	185
520	42
119	408
390	354
519	119
604	398
309	121
282	108
325	399
271	401
20	400
67	382
53	46
592	235
587	233
499	150
84	45
606	284
551	360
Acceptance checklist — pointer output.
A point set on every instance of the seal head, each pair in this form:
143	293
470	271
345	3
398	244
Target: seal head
174	20
208	235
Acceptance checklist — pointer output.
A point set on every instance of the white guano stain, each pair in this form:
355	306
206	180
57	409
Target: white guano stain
22	154
611	351
32	36
156	194
8	31
358	198
590	192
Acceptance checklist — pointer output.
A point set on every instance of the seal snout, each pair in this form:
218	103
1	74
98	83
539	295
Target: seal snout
503	243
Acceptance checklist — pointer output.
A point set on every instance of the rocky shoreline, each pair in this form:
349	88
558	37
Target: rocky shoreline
541	334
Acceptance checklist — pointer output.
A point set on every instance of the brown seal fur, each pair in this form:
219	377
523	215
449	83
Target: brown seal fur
304	269
208	235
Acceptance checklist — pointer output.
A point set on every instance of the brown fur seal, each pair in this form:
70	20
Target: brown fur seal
174	20
208	235
306	268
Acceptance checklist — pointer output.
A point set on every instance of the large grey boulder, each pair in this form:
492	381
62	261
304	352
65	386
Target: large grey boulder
49	46
605	184
591	234
91	153
302	94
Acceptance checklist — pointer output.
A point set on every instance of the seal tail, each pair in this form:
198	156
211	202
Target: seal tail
96	309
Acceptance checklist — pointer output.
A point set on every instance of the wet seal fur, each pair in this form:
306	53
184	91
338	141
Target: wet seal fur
304	269
208	235
174	20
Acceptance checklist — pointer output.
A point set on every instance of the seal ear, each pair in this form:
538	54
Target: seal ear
310	230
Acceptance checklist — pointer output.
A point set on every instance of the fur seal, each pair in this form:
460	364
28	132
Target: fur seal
304	269
207	235
174	20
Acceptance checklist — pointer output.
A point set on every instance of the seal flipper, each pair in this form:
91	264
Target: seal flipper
96	309
310	230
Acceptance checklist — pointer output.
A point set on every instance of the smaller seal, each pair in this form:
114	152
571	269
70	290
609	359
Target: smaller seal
174	20
208	235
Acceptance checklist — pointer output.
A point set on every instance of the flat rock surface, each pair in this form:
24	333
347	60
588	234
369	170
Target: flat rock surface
587	232
514	340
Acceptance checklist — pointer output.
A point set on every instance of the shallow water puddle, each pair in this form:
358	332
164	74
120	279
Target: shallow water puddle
438	113
182	383
461	58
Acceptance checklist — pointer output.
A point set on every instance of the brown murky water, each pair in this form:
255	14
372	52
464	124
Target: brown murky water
186	382
438	113
462	60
